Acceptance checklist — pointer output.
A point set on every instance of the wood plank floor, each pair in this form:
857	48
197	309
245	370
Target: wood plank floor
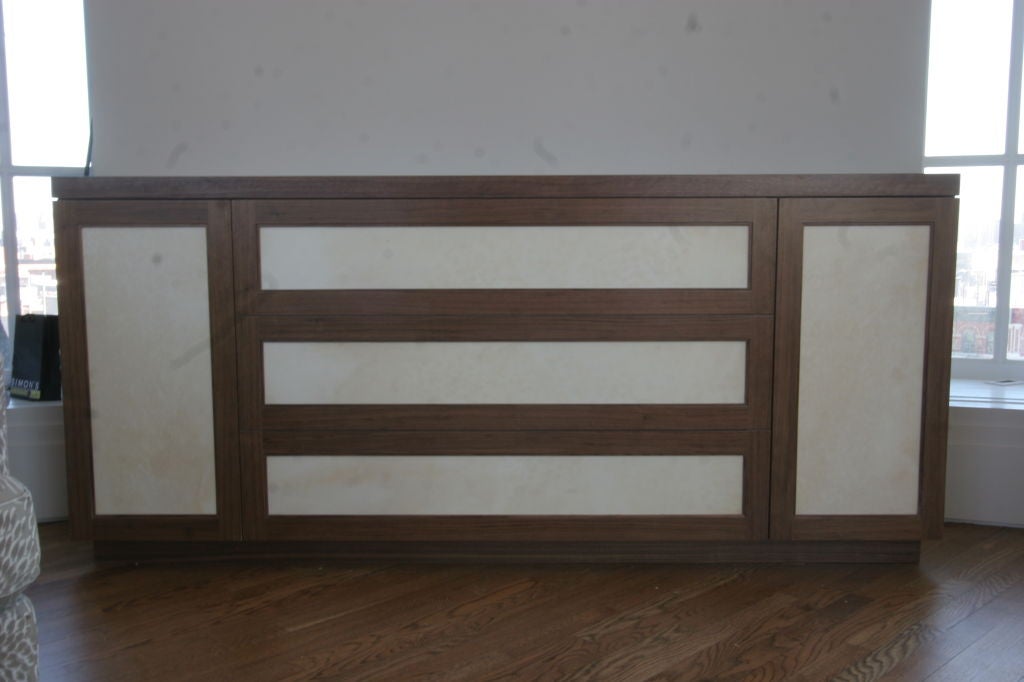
957	616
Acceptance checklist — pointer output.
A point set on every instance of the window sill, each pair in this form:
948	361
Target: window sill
978	394
21	403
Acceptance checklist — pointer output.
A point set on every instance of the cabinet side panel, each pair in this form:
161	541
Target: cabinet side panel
148	325
861	369
425	485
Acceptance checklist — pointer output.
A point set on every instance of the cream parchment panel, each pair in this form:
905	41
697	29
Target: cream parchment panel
634	372
553	257
361	485
861	369
148	327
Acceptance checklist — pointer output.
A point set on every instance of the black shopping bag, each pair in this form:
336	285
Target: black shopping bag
35	369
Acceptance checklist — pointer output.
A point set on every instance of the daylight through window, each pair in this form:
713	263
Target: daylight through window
43	94
974	128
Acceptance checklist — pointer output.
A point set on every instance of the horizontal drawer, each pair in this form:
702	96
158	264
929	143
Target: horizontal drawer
494	373
526	256
503	485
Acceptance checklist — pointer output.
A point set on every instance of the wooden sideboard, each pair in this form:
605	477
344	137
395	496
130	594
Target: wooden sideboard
659	368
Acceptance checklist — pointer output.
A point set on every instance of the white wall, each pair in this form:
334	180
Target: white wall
985	466
35	452
194	87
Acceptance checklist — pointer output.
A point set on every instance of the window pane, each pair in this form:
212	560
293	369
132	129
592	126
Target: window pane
968	74
4	310
1015	334
977	260
49	105
33	209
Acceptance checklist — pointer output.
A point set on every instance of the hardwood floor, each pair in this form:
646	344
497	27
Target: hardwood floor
957	616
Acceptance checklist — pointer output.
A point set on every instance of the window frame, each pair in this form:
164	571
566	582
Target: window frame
8	171
999	366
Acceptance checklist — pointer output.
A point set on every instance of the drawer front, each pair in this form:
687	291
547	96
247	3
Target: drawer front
523	373
509	485
522	256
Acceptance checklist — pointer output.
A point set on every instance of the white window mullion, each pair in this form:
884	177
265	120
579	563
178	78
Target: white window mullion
10	239
966	160
46	171
1005	262
1003	273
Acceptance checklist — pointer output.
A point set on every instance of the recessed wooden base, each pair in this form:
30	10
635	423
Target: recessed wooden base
544	552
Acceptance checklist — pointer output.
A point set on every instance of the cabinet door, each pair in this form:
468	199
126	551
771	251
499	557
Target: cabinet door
863	327
507	256
147	335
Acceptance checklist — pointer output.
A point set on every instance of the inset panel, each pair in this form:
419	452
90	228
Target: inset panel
549	257
862	339
516	485
538	373
148	329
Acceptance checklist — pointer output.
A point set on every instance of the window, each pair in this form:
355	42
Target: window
43	94
974	128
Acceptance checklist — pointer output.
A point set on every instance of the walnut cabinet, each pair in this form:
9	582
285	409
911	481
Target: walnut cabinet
698	368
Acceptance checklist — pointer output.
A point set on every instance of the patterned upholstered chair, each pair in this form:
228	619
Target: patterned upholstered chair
19	566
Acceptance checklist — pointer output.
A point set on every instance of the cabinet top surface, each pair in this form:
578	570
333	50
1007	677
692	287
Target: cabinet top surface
504	187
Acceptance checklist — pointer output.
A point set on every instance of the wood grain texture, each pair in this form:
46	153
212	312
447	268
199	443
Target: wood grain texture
856	527
786	380
519	531
754	414
958	615
501	327
507	301
497	443
938	353
553	186
758	214
506	417
255	506
70	218
75	368
169	528
547	552
939	215
223	348
244	316
246	245
757	478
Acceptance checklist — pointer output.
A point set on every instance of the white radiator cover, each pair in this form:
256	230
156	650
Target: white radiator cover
985	466
35	453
